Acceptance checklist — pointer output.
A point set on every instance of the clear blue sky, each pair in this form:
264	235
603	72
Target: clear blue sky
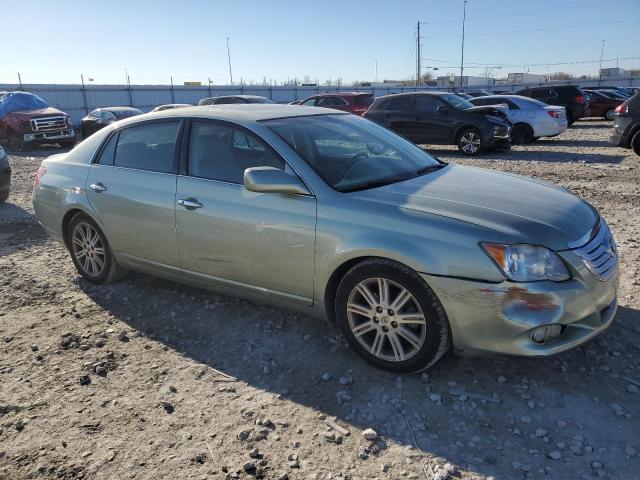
55	41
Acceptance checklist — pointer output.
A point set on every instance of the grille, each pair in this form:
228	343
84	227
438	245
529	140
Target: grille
45	124
600	254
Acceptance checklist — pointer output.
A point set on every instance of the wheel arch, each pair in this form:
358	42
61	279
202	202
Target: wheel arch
461	128
66	219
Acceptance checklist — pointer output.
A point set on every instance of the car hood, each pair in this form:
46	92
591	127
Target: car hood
522	209
40	112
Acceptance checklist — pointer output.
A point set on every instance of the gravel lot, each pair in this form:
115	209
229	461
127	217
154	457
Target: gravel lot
146	378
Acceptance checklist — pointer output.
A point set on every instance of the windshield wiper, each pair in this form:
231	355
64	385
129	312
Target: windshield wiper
374	184
431	168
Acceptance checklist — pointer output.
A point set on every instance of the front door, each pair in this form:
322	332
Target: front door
262	243
435	126
132	189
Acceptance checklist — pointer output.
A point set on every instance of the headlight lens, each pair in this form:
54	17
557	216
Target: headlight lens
527	263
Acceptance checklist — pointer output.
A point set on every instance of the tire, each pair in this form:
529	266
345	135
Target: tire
82	227
379	335
68	144
635	143
609	114
4	195
521	135
469	141
16	144
570	119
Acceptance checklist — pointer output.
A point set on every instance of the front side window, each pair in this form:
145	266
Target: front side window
351	153
427	104
222	152
148	147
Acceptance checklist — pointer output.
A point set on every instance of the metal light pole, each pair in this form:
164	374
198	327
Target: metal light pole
600	69
464	18
376	62
229	58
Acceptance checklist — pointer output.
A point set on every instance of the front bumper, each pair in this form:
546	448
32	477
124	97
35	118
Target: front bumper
500	318
49	137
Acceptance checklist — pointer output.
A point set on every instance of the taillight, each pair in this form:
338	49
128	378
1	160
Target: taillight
553	113
579	99
622	109
39	174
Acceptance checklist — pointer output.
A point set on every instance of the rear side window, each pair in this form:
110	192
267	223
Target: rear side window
309	102
107	154
402	104
148	147
222	152
330	102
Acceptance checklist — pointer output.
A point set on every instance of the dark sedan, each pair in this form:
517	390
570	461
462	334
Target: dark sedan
443	119
101	117
5	175
229	99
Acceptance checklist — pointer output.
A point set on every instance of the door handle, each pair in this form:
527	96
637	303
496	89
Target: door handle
97	187
190	203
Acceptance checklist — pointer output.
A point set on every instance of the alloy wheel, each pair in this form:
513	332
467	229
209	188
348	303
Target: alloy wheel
470	142
609	114
386	319
88	249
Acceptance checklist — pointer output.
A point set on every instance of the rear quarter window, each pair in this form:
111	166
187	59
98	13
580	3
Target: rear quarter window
148	147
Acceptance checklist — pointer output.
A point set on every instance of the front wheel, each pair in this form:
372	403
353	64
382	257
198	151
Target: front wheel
90	251
635	143
521	135
469	141
391	317
16	144
608	115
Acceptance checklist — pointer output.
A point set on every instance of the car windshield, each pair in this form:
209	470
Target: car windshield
351	153
457	102
126	113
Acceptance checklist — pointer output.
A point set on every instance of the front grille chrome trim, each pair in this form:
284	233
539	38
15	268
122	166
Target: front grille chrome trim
598	252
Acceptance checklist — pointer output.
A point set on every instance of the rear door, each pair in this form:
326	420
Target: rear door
132	189
432	126
400	116
262	243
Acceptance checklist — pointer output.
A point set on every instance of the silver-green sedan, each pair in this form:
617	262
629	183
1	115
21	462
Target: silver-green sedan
334	216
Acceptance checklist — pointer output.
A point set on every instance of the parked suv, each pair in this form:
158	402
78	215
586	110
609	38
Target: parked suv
26	119
626	125
570	97
355	102
444	119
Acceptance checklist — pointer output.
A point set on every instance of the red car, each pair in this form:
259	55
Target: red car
353	102
601	105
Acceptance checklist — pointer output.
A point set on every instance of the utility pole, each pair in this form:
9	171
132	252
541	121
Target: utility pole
229	58
600	69
20	81
376	62
418	66
464	19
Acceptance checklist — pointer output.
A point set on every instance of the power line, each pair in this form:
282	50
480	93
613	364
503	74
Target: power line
541	29
531	12
578	62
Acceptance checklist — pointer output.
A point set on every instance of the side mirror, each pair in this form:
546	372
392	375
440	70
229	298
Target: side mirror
443	109
273	180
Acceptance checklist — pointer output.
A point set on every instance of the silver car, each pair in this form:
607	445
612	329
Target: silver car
332	215
531	118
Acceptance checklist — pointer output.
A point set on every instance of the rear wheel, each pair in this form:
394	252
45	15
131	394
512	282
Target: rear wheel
90	251
4	194
469	141
391	317
608	115
570	119
635	143
521	135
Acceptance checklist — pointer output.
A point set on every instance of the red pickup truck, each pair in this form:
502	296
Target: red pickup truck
27	120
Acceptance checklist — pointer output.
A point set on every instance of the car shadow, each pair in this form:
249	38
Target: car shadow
591	123
458	404
556	142
19	230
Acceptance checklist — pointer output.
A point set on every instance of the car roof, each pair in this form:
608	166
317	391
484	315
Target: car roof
119	109
435	94
341	94
250	112
236	96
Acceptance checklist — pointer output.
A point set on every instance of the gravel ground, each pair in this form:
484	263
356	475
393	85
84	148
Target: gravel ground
146	378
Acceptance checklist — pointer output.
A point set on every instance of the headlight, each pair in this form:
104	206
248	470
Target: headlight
527	263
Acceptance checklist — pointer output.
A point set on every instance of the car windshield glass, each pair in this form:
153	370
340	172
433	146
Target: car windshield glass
126	113
351	153
457	102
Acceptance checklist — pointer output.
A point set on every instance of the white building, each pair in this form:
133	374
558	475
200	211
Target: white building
614	73
517	77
